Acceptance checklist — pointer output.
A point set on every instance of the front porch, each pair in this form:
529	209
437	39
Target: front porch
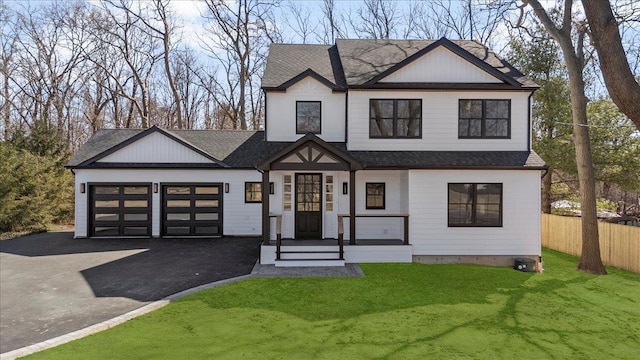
303	253
335	252
320	209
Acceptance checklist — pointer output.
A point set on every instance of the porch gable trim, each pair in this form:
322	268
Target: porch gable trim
327	157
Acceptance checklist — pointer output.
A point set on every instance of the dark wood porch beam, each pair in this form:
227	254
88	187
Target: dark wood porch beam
265	208
352	207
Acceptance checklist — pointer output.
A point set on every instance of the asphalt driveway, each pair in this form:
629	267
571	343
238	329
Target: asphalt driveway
51	284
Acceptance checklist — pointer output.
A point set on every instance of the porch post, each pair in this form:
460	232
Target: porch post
265	208
352	207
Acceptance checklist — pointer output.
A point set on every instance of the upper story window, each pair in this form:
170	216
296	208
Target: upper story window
475	205
484	119
308	115
391	118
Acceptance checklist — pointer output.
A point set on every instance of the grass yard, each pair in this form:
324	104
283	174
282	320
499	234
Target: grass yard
398	311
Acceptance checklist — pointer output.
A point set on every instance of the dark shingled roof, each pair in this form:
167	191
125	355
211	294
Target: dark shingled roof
101	141
246	149
354	62
285	61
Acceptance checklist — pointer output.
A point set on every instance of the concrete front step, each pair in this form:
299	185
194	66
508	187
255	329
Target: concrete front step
309	255
308	262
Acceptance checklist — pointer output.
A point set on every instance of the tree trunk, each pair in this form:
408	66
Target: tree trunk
6	107
621	84
590	260
546	191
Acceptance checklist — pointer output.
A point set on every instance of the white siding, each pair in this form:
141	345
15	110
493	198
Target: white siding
281	111
239	218
441	65
395	190
430	235
155	148
439	121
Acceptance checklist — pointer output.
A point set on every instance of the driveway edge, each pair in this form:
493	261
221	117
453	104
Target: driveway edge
107	324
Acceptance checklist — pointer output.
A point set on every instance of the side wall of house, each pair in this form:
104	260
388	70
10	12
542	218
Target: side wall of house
439	121
239	218
429	231
281	111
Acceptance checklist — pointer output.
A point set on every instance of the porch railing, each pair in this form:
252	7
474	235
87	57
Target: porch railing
278	233
353	241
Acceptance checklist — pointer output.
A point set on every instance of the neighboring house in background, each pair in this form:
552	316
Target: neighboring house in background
424	145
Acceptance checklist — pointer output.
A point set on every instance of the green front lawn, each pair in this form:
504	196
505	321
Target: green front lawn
398	311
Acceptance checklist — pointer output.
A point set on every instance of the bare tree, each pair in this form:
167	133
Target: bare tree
9	33
240	33
468	19
121	32
193	96
158	23
378	19
620	81
300	22
333	24
574	58
50	71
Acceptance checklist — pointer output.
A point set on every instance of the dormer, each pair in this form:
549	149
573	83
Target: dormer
305	93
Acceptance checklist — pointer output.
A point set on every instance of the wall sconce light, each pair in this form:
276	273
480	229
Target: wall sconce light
83	188
226	187
272	188
345	188
155	188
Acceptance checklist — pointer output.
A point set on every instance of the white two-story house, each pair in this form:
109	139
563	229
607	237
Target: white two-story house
373	151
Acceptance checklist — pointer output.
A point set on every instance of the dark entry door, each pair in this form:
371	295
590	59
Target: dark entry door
308	206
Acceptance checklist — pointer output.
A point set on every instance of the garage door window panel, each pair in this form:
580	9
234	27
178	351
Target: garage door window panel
179	216
136	217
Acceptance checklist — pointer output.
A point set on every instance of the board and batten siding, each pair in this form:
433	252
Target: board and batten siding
440	65
439	121
238	218
155	148
281	111
430	234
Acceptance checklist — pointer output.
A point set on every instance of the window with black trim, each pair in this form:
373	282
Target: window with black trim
375	196
475	205
489	119
308	117
395	118
252	192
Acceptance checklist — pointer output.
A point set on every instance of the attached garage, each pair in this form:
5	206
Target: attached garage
156	183
192	210
120	209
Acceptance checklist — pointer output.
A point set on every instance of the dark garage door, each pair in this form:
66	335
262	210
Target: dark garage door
120	210
192	210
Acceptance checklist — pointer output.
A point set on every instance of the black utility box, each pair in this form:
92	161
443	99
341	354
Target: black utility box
524	264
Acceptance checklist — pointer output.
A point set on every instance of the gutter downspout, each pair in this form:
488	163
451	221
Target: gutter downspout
529	122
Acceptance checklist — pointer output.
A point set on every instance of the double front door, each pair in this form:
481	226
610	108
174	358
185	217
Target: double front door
308	210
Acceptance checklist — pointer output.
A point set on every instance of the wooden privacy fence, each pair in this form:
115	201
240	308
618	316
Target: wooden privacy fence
619	244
